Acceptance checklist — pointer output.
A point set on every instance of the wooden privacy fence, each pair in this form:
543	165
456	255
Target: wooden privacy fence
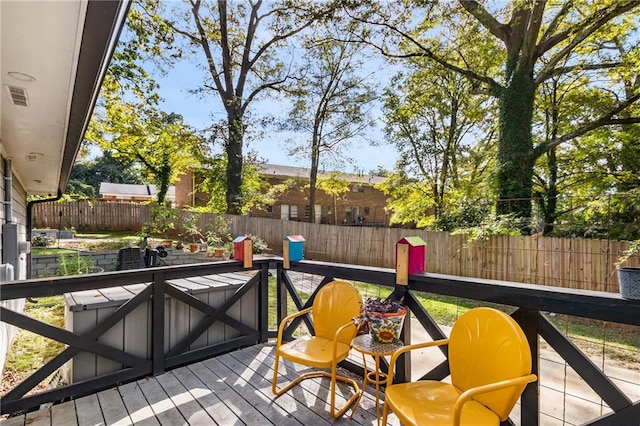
563	262
91	216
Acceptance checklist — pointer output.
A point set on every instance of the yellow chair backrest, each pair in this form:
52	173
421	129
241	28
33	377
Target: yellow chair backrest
487	345
335	305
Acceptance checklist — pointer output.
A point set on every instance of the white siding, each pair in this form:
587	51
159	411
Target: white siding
19	209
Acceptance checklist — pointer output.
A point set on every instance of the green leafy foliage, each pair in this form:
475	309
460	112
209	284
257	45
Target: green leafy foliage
163	218
86	176
591	46
75	264
217	233
239	52
42	240
494	225
259	244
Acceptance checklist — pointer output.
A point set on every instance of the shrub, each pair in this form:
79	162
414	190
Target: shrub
259	245
74	264
42	240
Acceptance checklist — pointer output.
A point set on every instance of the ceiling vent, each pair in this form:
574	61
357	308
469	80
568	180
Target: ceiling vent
17	95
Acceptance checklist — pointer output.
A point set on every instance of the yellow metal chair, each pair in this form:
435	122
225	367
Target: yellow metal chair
490	365
334	307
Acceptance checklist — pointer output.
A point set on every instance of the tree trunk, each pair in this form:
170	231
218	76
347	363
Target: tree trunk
313	177
551	195
234	163
515	148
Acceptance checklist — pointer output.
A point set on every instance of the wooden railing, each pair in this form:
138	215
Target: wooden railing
528	302
157	287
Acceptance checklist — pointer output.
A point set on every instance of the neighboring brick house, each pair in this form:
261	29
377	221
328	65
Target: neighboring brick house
362	205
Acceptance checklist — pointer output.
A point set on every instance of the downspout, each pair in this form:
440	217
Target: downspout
30	205
8	191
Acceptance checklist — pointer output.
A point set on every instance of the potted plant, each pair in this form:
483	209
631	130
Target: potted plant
629	276
383	318
191	230
217	236
162	220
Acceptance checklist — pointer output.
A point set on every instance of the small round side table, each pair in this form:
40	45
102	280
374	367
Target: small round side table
366	346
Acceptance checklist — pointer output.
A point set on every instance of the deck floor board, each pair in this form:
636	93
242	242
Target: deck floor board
231	389
113	408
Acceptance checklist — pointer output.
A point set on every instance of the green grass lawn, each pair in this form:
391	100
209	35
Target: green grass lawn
31	351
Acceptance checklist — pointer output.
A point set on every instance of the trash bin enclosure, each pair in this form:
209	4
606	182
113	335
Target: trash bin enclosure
132	334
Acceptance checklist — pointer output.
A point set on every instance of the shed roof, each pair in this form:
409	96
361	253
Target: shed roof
133	190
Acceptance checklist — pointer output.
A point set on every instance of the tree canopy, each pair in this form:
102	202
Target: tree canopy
237	45
537	41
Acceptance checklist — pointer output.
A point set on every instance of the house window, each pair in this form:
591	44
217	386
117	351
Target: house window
268	209
357	188
288	212
307	211
366	211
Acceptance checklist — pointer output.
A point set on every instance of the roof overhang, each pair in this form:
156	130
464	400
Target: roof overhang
55	53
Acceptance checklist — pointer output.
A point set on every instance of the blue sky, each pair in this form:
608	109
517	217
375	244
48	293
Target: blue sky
174	89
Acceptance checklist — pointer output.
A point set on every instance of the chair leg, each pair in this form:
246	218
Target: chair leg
355	398
334	379
275	375
385	413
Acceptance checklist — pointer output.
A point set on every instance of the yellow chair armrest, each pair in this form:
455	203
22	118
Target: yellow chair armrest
408	348
470	393
287	320
337	333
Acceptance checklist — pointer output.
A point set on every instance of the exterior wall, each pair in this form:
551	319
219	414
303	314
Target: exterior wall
2	194
19	209
184	191
19	216
362	205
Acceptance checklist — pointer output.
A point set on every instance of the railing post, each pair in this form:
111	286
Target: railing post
157	324
281	299
403	367
530	399
263	307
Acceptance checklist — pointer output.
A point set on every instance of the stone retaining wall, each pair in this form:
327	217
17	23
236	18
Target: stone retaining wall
48	266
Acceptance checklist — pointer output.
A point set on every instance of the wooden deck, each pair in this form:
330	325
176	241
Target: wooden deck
232	389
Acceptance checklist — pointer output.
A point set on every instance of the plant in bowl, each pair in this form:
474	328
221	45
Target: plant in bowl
383	318
629	276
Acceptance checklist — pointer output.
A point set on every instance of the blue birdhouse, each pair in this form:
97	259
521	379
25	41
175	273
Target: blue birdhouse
296	243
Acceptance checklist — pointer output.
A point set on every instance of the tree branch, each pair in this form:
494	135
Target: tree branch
589	26
257	90
606	120
531	34
486	19
584	67
215	75
553	25
425	52
226	52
